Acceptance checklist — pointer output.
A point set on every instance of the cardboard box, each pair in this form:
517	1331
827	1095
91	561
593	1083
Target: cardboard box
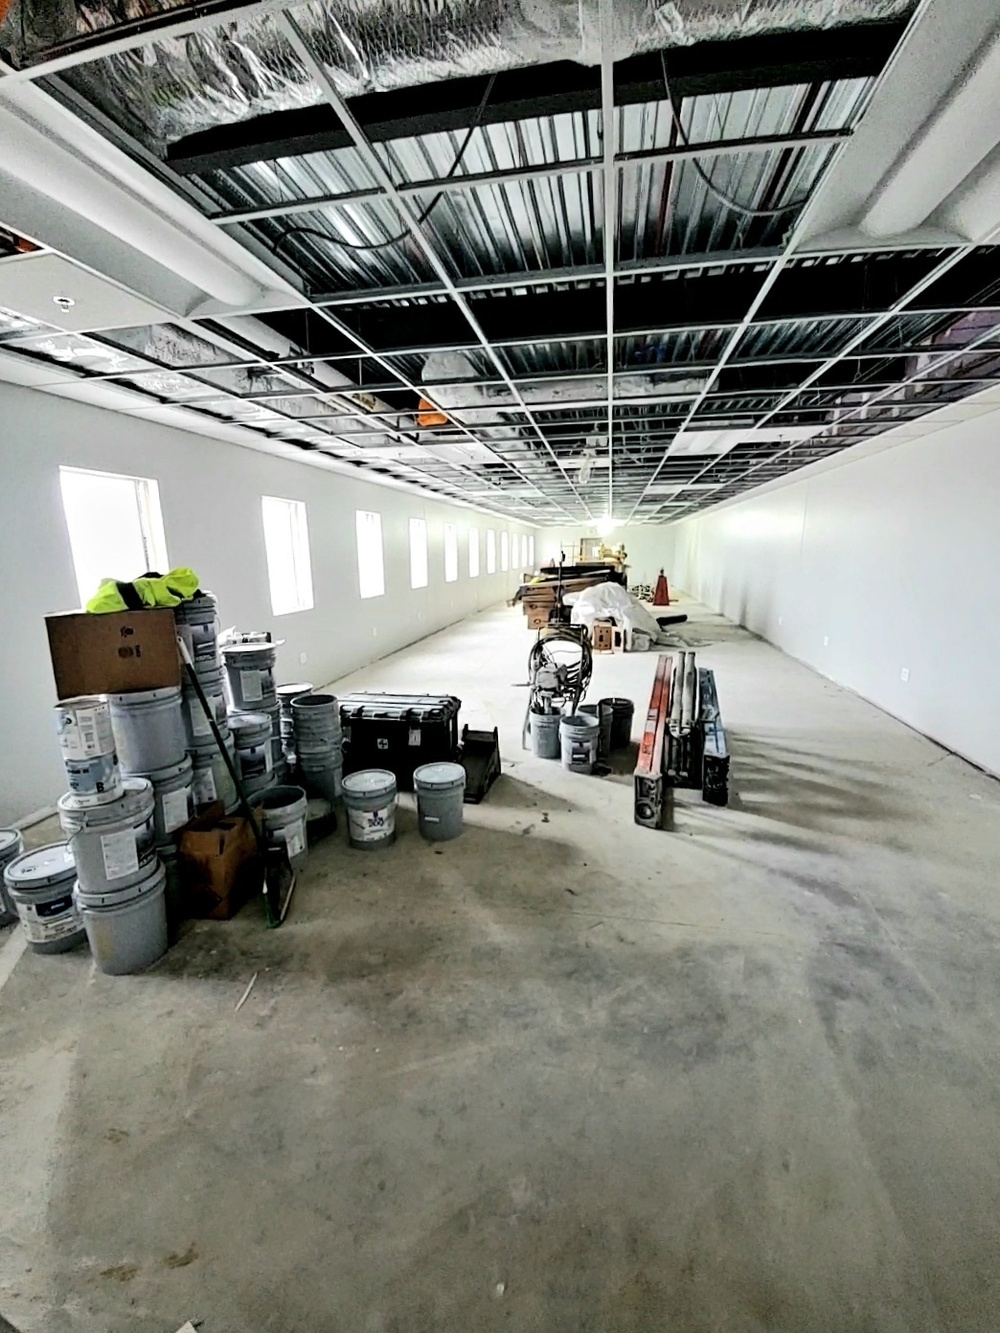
124	650
603	635
220	866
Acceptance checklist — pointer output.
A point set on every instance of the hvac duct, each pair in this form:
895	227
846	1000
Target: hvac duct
245	68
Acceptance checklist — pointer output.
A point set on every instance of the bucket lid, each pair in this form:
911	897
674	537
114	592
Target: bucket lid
441	775
241	722
9	839
370	782
136	802
41	868
157	775
248	649
293	690
81	701
156	879
133	697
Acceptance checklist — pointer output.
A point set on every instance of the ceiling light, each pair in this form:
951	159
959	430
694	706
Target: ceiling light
64	303
606	526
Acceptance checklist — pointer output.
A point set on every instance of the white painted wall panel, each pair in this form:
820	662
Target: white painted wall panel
210	495
892	558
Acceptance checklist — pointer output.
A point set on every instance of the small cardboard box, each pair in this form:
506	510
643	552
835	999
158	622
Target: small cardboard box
220	866
124	650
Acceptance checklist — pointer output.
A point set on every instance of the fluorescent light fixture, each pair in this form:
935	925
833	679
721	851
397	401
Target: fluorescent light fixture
662	488
606	526
703	442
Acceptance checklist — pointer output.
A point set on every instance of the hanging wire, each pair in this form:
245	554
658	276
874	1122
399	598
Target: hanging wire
422	217
706	178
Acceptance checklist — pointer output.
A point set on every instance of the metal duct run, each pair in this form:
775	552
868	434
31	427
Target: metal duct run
480	406
245	68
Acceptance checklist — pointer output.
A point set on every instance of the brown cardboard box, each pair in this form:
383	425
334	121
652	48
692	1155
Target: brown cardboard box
220	866
124	650
603	635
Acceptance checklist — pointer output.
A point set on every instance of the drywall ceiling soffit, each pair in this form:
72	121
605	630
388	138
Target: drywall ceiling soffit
940	44
54	290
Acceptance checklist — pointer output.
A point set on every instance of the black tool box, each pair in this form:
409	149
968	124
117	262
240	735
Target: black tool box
481	761
399	732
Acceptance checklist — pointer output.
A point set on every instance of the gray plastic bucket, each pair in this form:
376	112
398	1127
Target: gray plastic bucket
114	846
370	803
544	729
440	790
578	737
210	778
286	695
198	620
323	777
197	727
603	715
621	721
250	672
11	846
87	741
174	795
252	736
40	885
285	810
149	729
127	929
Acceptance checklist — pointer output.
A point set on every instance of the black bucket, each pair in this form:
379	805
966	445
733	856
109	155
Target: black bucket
621	721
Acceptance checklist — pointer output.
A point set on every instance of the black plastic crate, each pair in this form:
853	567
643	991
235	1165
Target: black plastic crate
399	732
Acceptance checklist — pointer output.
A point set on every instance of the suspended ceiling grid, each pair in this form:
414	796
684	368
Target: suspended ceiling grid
697	355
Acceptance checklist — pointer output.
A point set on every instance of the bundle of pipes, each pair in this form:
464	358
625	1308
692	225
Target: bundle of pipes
683	758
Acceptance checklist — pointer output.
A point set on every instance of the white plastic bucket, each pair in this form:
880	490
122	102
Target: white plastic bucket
174	797
114	846
370	802
198	621
544	729
210	778
87	741
11	846
578	736
149	729
197	727
127	929
440	790
40	885
250	672
285	810
252	736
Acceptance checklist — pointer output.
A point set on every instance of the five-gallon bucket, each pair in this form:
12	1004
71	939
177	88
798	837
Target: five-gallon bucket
544	728
252	734
114	846
621	721
127	929
174	796
40	885
197	726
578	736
149	729
210	778
198	620
250	671
603	713
11	846
88	749
440	790
370	803
285	810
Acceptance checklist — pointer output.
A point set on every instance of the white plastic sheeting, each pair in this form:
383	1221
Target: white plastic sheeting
610	601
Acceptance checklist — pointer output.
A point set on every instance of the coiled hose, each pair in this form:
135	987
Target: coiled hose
560	665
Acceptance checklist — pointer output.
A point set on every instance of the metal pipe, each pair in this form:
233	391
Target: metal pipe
688	694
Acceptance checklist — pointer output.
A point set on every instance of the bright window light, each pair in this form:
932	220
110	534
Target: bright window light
505	550
450	553
371	570
115	527
473	553
531	552
524	550
418	553
286	541
491	551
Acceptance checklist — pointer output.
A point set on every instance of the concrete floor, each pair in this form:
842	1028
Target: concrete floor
560	1074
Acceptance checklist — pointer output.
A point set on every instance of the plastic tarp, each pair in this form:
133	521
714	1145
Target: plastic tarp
610	601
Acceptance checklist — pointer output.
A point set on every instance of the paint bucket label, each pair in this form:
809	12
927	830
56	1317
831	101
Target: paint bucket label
200	724
256	761
85	732
371	825
203	786
125	852
250	686
176	809
45	922
99	776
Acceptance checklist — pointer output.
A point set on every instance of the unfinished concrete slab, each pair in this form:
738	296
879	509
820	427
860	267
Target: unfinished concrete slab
559	1074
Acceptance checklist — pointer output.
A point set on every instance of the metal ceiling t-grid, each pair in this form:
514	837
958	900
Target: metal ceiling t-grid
598	285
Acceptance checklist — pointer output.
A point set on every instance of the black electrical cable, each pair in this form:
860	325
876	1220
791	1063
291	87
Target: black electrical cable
421	218
706	178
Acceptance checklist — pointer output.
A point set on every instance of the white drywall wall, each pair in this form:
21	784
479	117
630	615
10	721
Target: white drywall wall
650	547
210	495
885	564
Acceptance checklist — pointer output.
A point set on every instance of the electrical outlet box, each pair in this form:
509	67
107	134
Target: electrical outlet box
826	640
303	658
904	674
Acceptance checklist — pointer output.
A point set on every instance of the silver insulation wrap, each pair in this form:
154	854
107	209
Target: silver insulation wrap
244	68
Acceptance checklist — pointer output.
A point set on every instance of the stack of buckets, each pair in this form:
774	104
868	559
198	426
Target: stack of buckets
198	622
106	883
319	743
254	714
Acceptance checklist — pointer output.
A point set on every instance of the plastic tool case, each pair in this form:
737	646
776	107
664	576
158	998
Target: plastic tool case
398	732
